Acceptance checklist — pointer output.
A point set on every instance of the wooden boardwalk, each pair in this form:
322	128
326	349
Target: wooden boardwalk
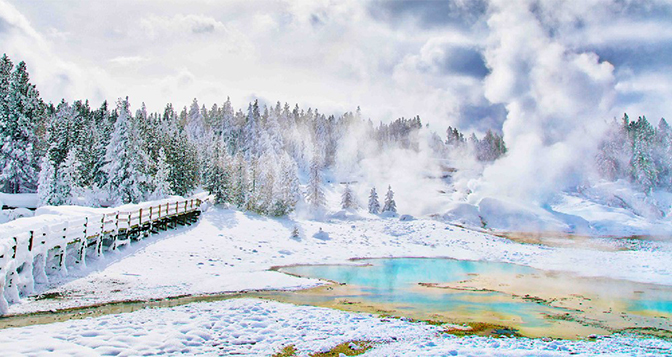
32	256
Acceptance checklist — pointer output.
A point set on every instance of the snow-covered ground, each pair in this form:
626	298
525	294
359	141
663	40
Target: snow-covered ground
229	250
257	327
605	209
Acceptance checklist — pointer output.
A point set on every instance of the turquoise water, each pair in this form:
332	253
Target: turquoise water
663	305
395	282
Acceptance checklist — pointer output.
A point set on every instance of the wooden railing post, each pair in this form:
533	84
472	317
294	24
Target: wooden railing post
30	241
82	243
116	232
99	242
64	251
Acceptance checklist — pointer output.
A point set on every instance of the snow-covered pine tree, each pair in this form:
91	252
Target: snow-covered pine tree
59	183
87	140
490	148
454	137
374	204
219	178
287	192
61	138
250	134
644	171
227	127
102	125
390	205
161	179
347	199
267	196
22	111
68	179
240	181
181	154
315	197
195	125
254	176
126	160
46	189
615	151
662	153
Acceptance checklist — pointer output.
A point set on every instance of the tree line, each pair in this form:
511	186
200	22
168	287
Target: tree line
255	159
636	151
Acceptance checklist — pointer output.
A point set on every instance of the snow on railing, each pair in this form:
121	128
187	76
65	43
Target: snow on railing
31	256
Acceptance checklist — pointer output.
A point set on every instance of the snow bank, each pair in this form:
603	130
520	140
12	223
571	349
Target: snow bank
607	209
514	217
464	214
22	200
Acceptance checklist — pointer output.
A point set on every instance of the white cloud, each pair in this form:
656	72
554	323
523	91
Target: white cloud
156	27
336	55
128	60
55	77
556	100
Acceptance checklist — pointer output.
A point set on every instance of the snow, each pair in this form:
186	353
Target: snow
230	251
258	327
24	200
605	209
21	202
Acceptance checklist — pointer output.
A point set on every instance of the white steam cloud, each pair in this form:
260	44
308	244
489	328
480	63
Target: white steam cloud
557	100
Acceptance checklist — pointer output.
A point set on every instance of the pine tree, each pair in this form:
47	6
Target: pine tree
643	169
219	178
47	190
615	151
21	114
181	155
250	135
195	125
126	160
161	179
374	204
240	181
347	199
267	201
288	187
253	185
390	205
102	127
61	138
664	152
68	176
490	148
59	183
316	197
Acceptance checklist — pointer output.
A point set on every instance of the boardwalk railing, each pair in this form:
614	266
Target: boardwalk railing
31	257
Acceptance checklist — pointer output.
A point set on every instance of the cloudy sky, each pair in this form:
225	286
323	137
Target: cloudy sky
548	64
